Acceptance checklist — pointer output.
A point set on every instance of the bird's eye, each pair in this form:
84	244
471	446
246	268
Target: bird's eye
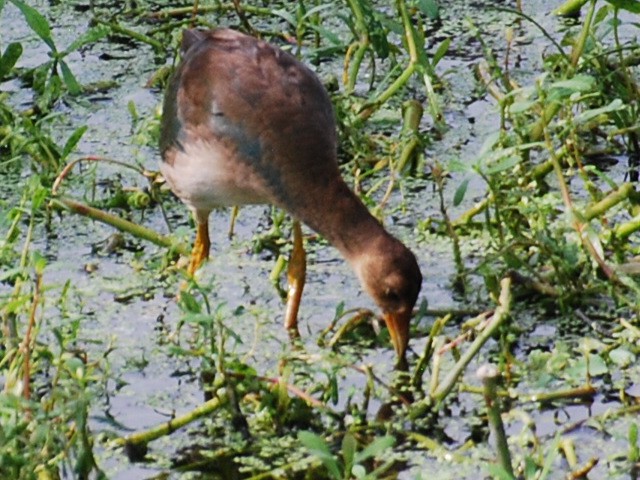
392	296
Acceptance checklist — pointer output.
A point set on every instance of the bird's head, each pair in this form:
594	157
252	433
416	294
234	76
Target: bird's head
389	273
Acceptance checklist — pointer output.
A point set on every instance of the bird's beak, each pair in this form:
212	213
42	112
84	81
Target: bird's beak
398	325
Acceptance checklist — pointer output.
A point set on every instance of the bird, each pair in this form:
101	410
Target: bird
245	122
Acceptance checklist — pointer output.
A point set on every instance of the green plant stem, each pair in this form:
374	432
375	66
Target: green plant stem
534	284
420	61
414	63
489	375
9	325
584	34
16	221
500	314
537	173
455	240
612	199
370	107
570	8
67	169
585	392
577	224
537	25
624	230
360	25
203	9
141	37
542	170
120	223
408	30
421	366
441	450
432	99
536	131
28	342
39	151
142	438
360	318
466	217
412	114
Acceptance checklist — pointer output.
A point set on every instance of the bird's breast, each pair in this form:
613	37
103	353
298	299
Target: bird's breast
205	176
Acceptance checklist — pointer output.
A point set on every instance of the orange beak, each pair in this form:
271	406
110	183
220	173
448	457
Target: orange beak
398	325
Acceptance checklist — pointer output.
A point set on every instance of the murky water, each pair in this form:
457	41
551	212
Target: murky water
151	384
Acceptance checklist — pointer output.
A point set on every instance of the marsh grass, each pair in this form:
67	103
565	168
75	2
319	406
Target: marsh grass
556	229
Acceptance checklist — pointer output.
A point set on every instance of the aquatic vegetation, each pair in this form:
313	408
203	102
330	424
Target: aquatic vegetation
500	144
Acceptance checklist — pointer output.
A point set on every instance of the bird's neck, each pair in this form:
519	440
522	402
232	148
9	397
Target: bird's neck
345	222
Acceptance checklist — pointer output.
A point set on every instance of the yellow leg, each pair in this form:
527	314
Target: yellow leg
201	245
232	223
296	274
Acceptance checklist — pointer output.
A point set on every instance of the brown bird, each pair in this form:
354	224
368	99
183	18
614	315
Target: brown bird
244	123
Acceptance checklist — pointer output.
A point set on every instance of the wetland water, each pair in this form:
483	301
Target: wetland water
125	304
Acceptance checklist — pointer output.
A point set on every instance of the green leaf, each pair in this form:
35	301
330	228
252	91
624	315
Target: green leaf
460	191
589	114
634	452
314	442
189	303
496	471
334	390
579	83
349	446
39	262
316	9
375	448
358	471
594	366
326	34
69	79
9	273
37	22
286	16
131	106
521	106
632	6
392	25
594	239
74	364
490	141
441	51
90	36
457	165
9	58
550	457
318	447
601	14
633	433
502	164
530	467
380	471
429	8
622	357
73	140
38	194
203	319
377	33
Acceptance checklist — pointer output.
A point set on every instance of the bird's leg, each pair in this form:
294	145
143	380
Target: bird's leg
232	223
202	243
296	275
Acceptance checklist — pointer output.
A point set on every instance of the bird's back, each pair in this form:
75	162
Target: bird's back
267	111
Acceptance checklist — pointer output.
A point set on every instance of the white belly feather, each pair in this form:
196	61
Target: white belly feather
204	178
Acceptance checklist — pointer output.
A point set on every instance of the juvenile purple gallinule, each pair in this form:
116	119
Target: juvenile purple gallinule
245	122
